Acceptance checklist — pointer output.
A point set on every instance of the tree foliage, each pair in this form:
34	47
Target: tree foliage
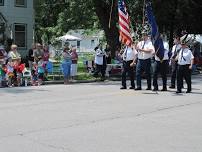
56	17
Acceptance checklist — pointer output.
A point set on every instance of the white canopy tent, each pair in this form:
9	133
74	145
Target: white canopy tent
68	37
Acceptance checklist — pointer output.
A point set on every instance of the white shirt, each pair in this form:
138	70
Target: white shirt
185	56
175	48
145	45
99	57
165	57
129	54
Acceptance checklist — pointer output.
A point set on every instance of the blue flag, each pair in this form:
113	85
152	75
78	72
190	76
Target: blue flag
155	35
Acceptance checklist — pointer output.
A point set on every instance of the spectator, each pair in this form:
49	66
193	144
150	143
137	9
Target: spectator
100	62
74	57
46	56
31	56
38	53
41	71
66	64
15	59
108	54
34	74
3	58
118	57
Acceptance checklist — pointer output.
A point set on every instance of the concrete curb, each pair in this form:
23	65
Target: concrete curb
71	82
98	80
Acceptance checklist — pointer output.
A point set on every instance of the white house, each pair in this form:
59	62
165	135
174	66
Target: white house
88	41
17	22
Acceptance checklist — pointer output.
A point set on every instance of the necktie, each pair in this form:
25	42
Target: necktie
175	49
175	52
125	55
143	45
182	57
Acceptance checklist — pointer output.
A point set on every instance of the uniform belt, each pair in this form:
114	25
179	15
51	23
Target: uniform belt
128	60
185	65
144	59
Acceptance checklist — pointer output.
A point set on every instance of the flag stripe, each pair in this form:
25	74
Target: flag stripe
124	27
125	32
124	23
122	35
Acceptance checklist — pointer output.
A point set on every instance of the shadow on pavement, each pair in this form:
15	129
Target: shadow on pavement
21	90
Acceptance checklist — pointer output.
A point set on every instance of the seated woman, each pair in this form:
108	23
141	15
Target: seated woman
15	58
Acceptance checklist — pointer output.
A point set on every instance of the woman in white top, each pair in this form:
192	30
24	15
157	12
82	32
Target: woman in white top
100	62
185	62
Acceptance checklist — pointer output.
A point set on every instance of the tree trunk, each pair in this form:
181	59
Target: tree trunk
172	25
103	12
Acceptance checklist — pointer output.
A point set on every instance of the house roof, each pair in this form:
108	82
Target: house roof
81	33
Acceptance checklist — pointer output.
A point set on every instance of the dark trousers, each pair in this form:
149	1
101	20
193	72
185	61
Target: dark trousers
174	66
100	69
183	71
130	70
162	68
143	65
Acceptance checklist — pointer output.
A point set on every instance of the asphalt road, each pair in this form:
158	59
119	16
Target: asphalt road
99	117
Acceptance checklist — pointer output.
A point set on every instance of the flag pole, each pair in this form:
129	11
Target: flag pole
143	18
110	17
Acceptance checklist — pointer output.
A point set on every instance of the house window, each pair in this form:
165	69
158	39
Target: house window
2	29
20	3
78	44
92	43
1	2
20	37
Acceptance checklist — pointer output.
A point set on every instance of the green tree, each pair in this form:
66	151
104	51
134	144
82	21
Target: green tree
56	17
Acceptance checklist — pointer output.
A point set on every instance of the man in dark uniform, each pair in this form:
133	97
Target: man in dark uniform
185	62
129	59
145	51
175	51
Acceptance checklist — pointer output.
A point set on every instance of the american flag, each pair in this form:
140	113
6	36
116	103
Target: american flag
124	23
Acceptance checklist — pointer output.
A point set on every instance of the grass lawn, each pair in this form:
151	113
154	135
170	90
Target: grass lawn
82	71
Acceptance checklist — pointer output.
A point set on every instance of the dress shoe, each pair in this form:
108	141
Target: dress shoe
188	91
148	89
132	88
164	89
155	89
178	91
123	88
138	88
172	87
